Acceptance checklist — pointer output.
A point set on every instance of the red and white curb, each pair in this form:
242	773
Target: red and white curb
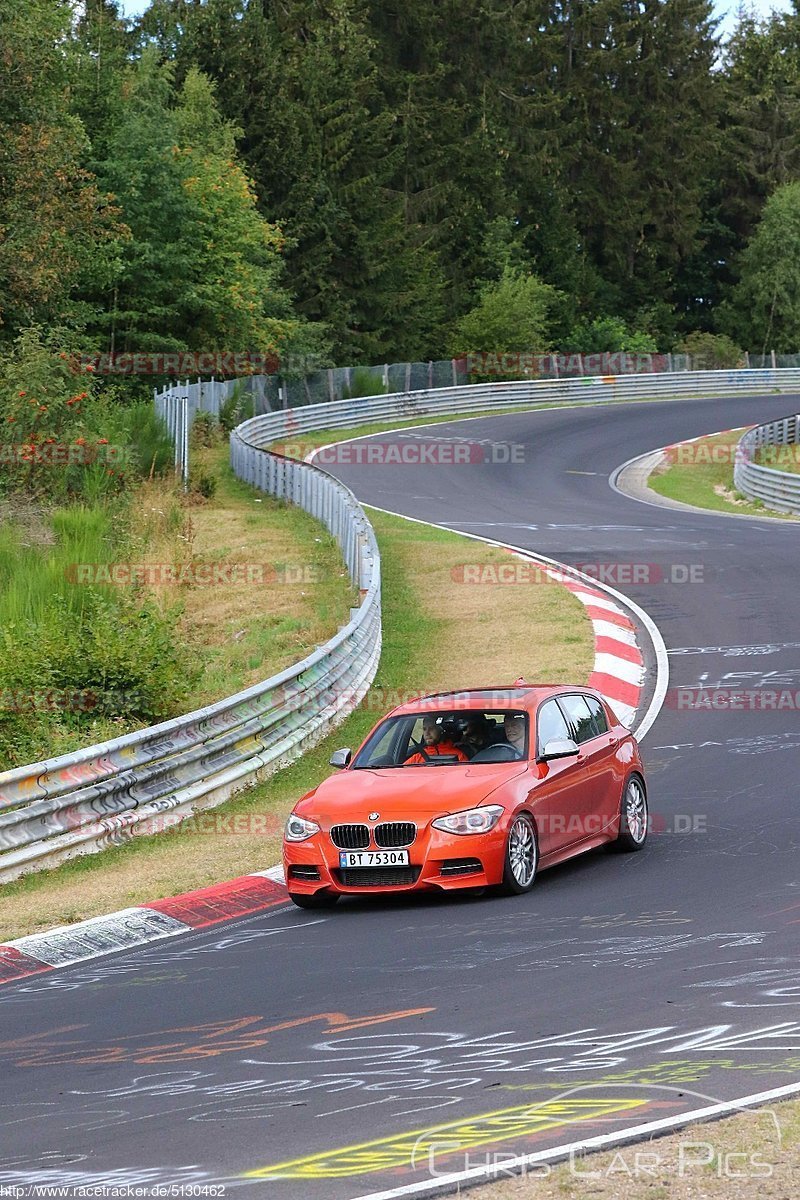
619	670
132	927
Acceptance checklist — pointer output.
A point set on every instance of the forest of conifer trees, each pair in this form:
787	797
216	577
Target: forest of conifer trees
358	181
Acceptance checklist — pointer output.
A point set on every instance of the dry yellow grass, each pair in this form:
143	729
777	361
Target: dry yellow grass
752	1155
284	589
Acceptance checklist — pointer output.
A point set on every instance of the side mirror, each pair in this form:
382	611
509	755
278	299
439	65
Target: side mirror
558	748
341	758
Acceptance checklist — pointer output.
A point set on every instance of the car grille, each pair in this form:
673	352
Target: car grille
461	866
395	833
350	837
377	876
303	871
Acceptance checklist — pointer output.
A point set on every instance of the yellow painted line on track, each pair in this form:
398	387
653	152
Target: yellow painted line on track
421	1147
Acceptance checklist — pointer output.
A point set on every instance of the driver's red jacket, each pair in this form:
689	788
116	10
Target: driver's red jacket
434	752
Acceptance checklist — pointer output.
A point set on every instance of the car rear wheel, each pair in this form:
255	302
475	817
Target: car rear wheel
317	900
522	857
633	816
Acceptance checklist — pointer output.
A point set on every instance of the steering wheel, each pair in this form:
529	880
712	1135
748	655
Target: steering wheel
500	752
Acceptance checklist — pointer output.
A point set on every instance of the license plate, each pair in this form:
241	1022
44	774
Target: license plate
373	858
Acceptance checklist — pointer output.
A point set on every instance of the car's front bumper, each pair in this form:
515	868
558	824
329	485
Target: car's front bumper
438	861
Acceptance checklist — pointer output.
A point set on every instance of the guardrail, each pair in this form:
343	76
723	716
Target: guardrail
83	802
775	488
289	424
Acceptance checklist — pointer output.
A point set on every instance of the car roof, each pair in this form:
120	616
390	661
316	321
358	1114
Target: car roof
526	696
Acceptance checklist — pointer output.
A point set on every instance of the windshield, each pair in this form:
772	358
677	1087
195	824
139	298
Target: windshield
446	739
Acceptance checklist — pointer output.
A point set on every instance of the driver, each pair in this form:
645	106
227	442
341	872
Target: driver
434	744
514	730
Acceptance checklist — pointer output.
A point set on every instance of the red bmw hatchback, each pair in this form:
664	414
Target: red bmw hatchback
469	790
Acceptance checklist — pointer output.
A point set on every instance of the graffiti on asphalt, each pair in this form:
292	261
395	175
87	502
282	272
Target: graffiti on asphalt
186	1042
416	1148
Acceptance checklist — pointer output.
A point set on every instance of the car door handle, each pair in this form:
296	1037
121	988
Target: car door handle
613	741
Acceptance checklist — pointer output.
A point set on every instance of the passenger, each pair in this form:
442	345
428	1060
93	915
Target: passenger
434	744
478	734
514	729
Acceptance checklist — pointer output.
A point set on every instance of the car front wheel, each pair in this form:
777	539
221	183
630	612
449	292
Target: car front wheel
522	857
634	816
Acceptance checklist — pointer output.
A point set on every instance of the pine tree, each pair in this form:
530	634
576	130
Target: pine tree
316	139
54	224
640	105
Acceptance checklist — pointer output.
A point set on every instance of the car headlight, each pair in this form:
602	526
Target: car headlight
298	829
472	820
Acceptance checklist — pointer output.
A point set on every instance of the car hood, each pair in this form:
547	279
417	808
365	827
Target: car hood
407	792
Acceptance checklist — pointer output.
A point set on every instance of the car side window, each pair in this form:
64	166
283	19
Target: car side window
599	718
579	717
551	725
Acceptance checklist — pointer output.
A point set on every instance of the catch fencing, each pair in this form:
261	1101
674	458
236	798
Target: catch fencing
288	426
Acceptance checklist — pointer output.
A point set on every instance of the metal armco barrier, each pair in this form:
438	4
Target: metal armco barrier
775	488
289	425
85	801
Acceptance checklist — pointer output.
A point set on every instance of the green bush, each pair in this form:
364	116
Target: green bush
205	430
203	483
237	407
65	435
365	381
72	652
608	335
711	351
513	314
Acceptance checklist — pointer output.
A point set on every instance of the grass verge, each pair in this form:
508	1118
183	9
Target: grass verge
753	1154
235	588
438	633
703	477
284	591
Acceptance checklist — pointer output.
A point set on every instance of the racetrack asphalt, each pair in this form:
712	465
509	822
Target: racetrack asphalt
622	989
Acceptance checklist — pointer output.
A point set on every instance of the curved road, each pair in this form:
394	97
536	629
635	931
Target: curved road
623	989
